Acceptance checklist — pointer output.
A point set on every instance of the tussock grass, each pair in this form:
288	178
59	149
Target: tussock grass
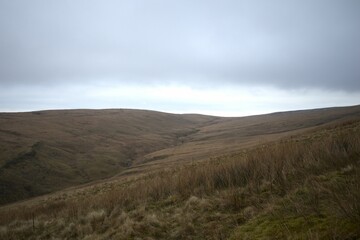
297	188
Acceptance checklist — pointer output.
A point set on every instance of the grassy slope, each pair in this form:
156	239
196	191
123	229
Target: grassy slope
230	135
302	187
45	151
41	152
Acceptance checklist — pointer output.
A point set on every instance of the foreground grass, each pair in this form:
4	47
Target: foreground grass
325	207
306	187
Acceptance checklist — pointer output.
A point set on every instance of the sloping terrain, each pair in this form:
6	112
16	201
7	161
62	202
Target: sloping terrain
41	152
45	151
304	186
231	135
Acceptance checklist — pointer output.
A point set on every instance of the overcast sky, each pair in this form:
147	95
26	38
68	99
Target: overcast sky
227	57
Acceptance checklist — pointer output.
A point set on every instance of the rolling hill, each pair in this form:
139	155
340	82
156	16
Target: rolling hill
292	175
46	151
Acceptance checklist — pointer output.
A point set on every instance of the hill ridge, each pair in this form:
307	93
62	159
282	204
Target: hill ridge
80	146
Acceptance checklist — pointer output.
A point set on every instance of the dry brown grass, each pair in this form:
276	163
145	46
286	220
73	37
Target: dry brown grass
316	174
41	152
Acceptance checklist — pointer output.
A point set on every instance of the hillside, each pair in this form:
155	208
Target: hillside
45	151
303	186
226	135
41	152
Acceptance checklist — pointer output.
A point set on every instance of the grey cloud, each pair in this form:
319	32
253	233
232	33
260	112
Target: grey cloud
287	44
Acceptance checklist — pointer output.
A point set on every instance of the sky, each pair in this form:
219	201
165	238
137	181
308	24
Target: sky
226	58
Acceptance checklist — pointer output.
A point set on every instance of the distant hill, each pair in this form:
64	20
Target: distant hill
46	151
300	182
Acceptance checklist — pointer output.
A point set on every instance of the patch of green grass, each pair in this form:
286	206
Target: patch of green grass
269	226
319	209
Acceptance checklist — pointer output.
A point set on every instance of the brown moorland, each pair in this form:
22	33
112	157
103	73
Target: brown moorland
46	151
303	186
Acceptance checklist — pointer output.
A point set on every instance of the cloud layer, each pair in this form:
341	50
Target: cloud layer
287	44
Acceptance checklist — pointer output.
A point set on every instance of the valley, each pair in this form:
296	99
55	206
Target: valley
134	174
